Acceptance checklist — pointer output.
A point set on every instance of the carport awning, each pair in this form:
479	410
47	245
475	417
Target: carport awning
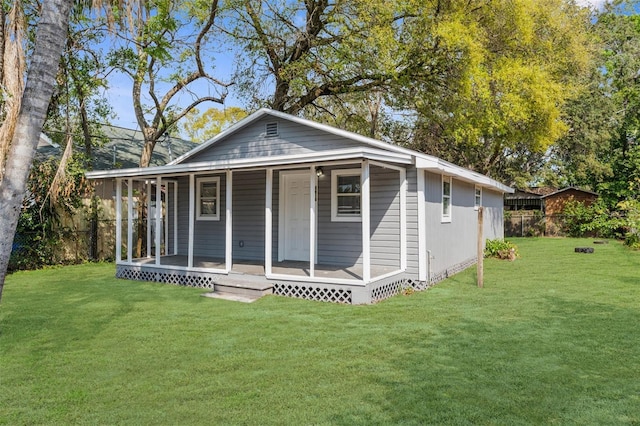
256	163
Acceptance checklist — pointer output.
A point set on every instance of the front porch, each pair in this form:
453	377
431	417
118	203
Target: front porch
248	279
257	268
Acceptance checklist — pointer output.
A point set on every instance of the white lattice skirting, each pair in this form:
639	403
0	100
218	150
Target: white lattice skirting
319	294
189	280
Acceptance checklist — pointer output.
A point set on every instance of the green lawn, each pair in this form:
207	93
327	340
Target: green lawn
554	337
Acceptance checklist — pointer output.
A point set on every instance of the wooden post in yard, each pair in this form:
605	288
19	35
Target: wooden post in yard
480	262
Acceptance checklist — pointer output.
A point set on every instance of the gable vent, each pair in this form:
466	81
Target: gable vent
272	129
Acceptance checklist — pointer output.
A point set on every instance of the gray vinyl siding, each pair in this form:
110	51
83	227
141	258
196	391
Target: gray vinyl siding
452	242
385	217
248	215
183	215
412	222
493	215
209	236
251	142
339	243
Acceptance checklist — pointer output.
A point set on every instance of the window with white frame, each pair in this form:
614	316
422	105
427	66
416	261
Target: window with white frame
478	199
208	198
446	198
346	195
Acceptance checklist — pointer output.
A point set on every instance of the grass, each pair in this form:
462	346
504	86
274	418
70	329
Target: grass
552	338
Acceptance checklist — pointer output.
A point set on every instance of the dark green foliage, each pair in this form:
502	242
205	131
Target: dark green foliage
596	220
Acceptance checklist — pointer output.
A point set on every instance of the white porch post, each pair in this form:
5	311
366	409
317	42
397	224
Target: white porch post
422	225
165	218
192	216
268	222
312	220
158	218
130	220
175	217
366	222
403	219
149	218
228	253
118	220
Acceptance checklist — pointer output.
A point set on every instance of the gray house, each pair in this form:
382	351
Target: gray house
283	205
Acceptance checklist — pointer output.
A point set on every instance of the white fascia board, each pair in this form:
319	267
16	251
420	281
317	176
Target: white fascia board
302	121
427	162
258	162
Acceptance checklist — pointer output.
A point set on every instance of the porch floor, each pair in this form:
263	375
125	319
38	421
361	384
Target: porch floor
293	268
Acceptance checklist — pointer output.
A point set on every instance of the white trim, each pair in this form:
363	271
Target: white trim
306	279
365	209
175	217
446	217
423	161
199	182
313	179
387	275
149	218
192	218
355	154
130	219
268	225
477	199
165	217
158	219
422	226
175	268
335	174
439	166
118	220
228	249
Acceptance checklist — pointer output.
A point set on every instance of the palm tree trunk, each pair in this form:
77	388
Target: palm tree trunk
51	36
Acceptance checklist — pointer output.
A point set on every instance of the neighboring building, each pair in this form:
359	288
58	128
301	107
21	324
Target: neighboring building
279	204
554	202
549	202
121	148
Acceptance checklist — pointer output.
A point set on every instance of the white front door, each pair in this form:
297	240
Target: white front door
295	211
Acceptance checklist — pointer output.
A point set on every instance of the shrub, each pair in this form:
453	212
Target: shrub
501	249
631	208
595	220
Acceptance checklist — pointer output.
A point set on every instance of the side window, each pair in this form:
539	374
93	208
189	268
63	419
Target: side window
446	198
478	200
345	195
208	198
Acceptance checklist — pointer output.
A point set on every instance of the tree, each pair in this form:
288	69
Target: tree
51	35
295	54
201	127
162	39
493	80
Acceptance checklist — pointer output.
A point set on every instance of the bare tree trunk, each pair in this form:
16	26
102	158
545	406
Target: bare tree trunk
51	36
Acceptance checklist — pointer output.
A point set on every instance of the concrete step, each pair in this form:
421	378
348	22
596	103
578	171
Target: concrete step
243	285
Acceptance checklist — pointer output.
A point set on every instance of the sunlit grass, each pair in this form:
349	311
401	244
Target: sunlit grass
552	338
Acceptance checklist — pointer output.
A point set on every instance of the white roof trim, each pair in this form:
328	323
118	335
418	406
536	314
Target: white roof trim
384	152
308	123
437	165
257	162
